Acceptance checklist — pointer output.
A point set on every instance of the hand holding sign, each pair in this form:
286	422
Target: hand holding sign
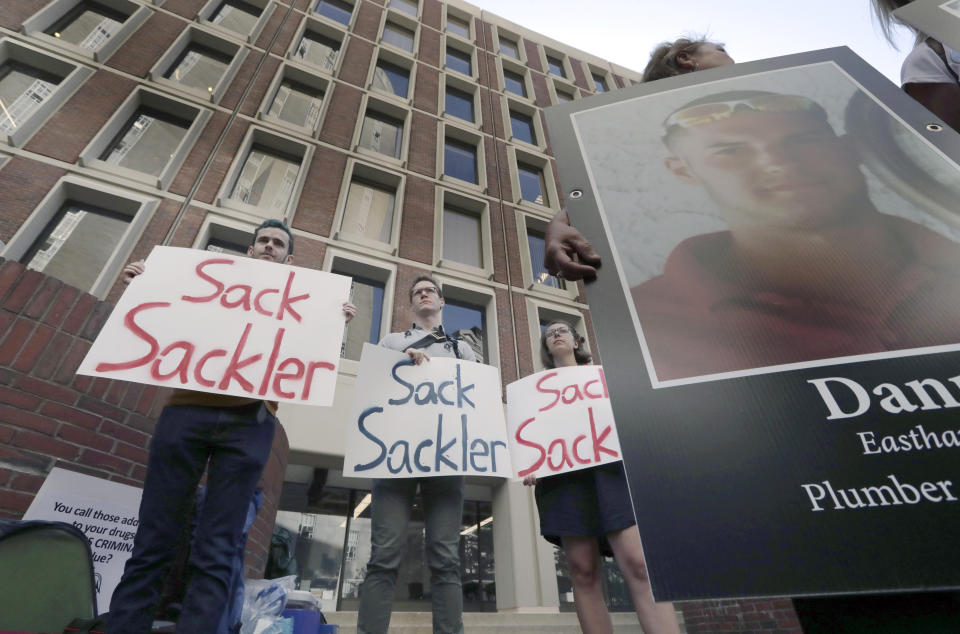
436	418
560	420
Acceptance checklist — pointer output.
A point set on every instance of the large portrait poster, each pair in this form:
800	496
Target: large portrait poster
937	18
779	317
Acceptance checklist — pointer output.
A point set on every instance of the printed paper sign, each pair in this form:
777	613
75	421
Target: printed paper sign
560	420
105	511
214	322
443	417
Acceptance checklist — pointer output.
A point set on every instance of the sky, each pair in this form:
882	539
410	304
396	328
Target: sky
625	31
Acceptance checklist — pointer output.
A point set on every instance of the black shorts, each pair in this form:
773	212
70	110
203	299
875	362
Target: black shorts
586	503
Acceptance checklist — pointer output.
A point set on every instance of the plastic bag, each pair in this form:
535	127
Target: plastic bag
263	604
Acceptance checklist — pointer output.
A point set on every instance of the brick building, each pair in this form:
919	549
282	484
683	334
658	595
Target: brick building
395	136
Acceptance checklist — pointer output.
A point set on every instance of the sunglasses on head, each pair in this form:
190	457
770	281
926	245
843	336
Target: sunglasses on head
704	113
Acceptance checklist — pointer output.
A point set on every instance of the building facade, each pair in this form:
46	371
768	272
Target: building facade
396	137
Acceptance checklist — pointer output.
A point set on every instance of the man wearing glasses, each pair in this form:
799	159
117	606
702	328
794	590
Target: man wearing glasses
442	496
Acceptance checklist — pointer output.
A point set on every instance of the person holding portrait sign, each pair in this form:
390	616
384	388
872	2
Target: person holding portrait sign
588	512
392	498
227	436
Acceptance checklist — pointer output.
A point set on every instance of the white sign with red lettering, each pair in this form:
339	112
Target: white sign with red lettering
560	420
215	322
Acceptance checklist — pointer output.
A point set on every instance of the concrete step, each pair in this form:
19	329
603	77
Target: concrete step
490	622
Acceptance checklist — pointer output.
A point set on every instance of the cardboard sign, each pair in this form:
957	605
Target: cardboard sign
560	420
105	511
214	322
443	417
779	299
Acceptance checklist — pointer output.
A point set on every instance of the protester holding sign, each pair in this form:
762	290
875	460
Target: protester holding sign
392	499
588	512
234	435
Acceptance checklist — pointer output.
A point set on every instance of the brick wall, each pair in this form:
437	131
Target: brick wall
766	616
52	417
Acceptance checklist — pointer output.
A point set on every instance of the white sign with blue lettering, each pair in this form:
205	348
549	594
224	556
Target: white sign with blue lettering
443	417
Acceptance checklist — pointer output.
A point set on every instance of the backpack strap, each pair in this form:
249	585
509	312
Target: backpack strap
433	337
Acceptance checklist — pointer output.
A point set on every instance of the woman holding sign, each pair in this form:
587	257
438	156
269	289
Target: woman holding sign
588	513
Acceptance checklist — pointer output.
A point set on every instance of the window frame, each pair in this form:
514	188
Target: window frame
298	75
535	309
389	109
142	97
272	140
71	74
460	290
139	207
472	205
525	221
466	49
371	268
518	155
402	20
509	105
463	17
395	59
314	14
467	137
377	175
321	28
507	65
501	33
547	54
266	10
196	35
412	15
595	72
457	82
214	226
556	84
35	25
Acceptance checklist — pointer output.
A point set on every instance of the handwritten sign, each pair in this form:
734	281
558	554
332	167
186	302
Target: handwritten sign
560	420
213	322
105	511
443	417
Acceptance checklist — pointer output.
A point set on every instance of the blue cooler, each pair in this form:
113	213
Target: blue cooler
304	609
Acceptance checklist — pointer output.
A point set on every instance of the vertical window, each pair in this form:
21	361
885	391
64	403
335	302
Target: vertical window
460	160
237	16
522	127
147	141
564	96
337	10
599	83
297	103
458	26
318	49
555	66
407	6
199	66
536	243
367	294
368	212
391	78
531	183
267	179
399	36
459	104
509	48
23	89
382	133
76	244
513	82
462	236
225	245
88	25
467	321
459	61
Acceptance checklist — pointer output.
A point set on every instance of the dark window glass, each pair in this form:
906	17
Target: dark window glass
460	160
563	96
77	243
392	78
222	245
147	141
23	89
399	36
468	322
318	49
531	183
457	26
522	127
367	295
536	242
513	82
407	6
459	61
556	66
459	104
88	25
509	48
335	10
599	83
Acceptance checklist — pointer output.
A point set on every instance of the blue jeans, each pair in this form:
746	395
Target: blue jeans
390	512
236	441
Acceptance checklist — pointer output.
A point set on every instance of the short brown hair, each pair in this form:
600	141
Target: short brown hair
423	277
